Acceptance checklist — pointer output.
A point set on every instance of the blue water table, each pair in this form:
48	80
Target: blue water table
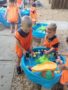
37	68
25	12
39	30
2	17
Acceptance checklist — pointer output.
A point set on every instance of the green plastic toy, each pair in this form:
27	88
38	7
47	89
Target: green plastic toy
42	28
43	59
48	75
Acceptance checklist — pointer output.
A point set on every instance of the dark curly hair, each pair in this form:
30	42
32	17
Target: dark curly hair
67	39
33	4
12	1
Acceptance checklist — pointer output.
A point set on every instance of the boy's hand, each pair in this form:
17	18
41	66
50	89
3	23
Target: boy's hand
46	52
66	84
59	61
31	48
32	53
61	67
24	51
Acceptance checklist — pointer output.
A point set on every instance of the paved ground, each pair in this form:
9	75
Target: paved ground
61	25
7	59
6	74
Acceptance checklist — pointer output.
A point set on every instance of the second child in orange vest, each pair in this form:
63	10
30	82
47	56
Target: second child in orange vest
33	13
12	14
64	68
23	40
51	41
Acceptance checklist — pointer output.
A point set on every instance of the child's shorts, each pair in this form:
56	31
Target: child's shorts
13	23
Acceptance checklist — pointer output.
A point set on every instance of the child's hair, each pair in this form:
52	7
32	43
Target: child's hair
27	20
12	1
67	39
52	26
34	0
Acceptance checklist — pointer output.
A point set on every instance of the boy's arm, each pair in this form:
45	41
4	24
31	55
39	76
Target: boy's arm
55	46
49	51
65	54
18	43
66	67
42	42
63	67
31	47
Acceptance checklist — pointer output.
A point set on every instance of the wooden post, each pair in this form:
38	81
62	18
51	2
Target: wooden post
50	1
59	4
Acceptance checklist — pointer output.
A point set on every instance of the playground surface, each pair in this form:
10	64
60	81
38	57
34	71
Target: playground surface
8	78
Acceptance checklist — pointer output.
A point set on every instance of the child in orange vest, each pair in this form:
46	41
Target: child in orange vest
33	13
23	40
12	15
51	41
64	67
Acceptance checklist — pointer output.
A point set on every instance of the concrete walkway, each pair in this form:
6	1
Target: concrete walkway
7	59
62	25
6	74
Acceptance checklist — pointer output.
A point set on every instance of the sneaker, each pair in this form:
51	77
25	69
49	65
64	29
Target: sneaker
19	71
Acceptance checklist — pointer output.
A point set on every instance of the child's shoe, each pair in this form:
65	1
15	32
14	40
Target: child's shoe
19	71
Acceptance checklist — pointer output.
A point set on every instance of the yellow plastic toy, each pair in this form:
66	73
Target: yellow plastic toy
44	67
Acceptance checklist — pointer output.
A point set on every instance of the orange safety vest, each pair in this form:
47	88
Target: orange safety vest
49	44
33	14
24	41
12	14
64	77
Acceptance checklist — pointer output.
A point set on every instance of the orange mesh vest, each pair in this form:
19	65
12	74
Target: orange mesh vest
49	44
33	14
24	41
64	77
12	14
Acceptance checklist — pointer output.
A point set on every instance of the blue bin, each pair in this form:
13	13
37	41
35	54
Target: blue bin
4	21
36	76
39	33
25	12
2	17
